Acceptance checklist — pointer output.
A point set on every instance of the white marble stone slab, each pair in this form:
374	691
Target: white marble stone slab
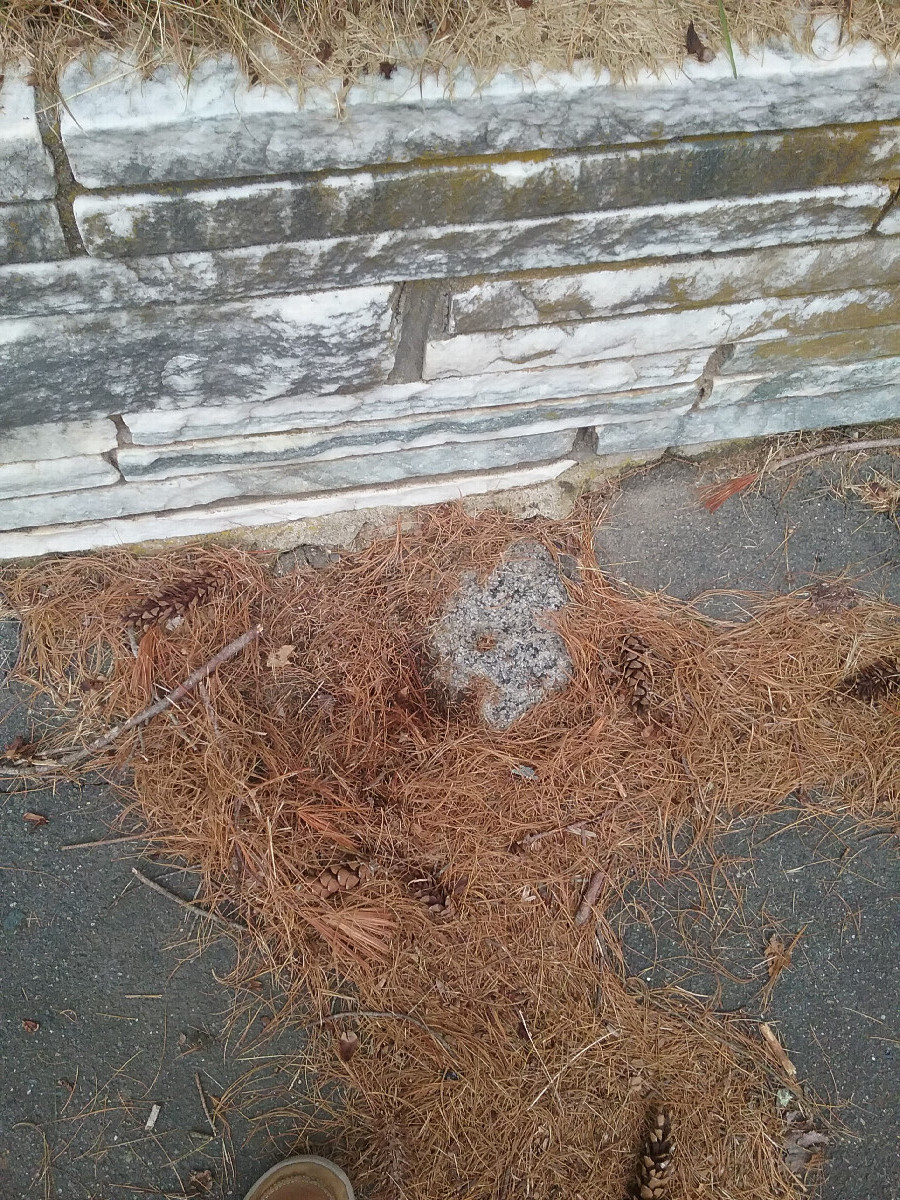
254	514
122	128
69	367
411	401
26	172
189	491
659	332
63	439
32	479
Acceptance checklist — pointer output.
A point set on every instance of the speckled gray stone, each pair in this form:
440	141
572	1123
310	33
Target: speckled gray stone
510	615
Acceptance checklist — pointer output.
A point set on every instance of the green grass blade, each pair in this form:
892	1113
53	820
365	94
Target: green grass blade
723	20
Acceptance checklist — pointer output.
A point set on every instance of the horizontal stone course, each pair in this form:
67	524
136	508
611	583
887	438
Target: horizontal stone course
757	419
641	287
251	514
621	337
60	368
167	222
448	429
30	232
189	491
93	285
26	172
28	479
119	127
604	381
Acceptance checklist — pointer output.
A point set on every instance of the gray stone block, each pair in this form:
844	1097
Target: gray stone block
120	127
30	233
26	172
191	491
172	221
61	368
756	419
92	284
369	438
611	385
801	378
619	289
30	479
250	515
774	319
63	439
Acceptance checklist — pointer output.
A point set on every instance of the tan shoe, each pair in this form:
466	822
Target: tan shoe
305	1178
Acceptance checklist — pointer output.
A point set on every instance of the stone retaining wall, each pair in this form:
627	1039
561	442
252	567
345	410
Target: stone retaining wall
224	305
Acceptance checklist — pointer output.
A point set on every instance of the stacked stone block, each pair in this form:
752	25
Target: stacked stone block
223	305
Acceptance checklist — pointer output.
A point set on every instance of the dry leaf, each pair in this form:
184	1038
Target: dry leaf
347	1046
778	956
770	1037
696	47
832	597
278	659
30	1026
35	818
200	1182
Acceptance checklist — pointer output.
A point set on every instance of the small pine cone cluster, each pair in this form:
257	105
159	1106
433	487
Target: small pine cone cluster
343	878
436	896
170	606
876	681
636	672
654	1170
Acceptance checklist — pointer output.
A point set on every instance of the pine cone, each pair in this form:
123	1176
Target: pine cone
436	896
344	878
636	671
878	680
172	603
655	1162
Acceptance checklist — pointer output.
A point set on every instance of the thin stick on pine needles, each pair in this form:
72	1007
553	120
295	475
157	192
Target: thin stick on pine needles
186	904
147	714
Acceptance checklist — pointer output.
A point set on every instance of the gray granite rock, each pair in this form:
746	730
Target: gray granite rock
499	632
62	368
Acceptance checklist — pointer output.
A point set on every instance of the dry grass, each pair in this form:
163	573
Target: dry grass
527	1064
279	39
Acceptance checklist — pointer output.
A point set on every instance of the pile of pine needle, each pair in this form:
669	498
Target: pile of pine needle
316	40
431	893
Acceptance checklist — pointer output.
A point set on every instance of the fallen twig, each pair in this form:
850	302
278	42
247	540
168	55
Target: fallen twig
205	1103
589	899
147	714
837	448
114	841
186	904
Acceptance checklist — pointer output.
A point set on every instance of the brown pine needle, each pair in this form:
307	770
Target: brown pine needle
713	495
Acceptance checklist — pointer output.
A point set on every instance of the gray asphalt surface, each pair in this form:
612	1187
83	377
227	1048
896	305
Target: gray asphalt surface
129	1013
